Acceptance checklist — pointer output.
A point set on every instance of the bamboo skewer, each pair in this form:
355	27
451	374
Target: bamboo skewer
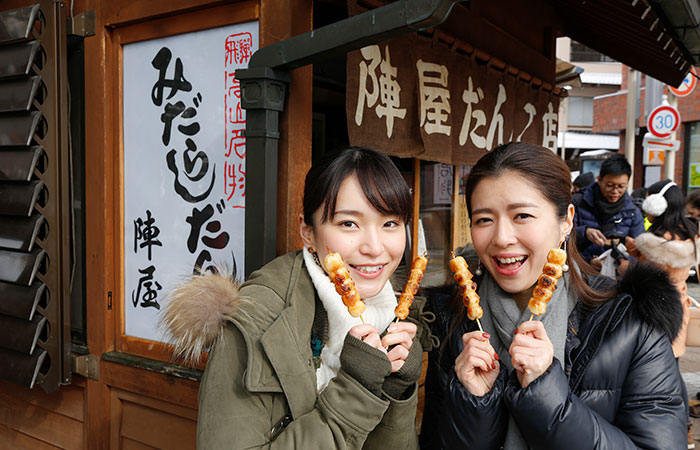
410	289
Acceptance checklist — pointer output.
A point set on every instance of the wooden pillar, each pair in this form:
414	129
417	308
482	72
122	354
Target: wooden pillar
282	19
99	229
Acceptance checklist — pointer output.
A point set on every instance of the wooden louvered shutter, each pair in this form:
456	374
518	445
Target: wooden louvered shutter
35	219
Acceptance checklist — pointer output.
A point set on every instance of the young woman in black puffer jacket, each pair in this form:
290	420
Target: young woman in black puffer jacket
596	371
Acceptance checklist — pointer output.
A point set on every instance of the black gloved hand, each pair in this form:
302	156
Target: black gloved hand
398	384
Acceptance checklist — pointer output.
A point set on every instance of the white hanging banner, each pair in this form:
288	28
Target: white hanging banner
184	164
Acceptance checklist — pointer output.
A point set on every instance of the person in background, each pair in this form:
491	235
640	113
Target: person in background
672	243
596	370
290	367
582	181
604	210
692	203
638	196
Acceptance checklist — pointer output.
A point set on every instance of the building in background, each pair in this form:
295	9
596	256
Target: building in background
609	117
600	75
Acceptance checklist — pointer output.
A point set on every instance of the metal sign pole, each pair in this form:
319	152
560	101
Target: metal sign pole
670	160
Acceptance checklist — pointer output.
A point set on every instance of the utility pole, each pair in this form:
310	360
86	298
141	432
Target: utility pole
632	92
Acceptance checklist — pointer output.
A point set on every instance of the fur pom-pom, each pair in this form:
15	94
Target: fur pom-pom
656	299
196	313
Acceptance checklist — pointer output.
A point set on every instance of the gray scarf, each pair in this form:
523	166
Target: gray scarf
502	316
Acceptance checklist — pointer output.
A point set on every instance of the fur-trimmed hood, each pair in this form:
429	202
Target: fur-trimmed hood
655	298
197	311
673	253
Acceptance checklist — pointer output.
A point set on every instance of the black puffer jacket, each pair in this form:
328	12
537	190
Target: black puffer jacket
620	387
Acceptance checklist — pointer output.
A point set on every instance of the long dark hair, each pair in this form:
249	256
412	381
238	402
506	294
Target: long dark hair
381	182
551	176
673	219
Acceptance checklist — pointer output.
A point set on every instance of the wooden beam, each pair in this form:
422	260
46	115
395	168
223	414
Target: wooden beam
99	212
151	384
455	209
124	12
204	19
416	208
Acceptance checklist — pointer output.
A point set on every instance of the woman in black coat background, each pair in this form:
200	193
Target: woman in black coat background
596	371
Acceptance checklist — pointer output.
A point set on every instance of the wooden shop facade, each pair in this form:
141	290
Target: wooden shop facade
140	140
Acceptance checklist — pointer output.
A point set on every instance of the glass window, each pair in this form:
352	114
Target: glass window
580	111
435	220
581	53
462	232
693	155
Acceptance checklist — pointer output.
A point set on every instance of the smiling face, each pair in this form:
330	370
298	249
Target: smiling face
370	242
513	228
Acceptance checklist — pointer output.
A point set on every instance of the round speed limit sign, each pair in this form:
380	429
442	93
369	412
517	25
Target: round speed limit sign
663	121
686	86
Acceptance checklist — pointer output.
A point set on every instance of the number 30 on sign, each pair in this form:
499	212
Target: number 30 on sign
663	121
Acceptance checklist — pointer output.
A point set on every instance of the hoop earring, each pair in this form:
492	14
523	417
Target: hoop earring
478	270
565	266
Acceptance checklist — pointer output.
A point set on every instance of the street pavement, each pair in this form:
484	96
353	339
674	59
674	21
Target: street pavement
690	370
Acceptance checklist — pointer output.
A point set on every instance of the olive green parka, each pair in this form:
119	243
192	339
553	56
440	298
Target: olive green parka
259	386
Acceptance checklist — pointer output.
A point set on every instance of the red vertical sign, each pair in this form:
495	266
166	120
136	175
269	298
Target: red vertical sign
238	53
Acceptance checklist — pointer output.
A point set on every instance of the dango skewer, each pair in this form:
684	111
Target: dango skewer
340	276
547	282
411	287
467	288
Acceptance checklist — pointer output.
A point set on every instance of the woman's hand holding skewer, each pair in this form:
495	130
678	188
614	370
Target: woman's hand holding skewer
531	352
477	366
369	335
398	342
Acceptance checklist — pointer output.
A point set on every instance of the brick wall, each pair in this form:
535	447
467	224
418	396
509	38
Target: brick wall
609	113
689	106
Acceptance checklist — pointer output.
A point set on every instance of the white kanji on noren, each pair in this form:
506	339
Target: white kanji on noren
389	90
384	96
434	97
549	137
